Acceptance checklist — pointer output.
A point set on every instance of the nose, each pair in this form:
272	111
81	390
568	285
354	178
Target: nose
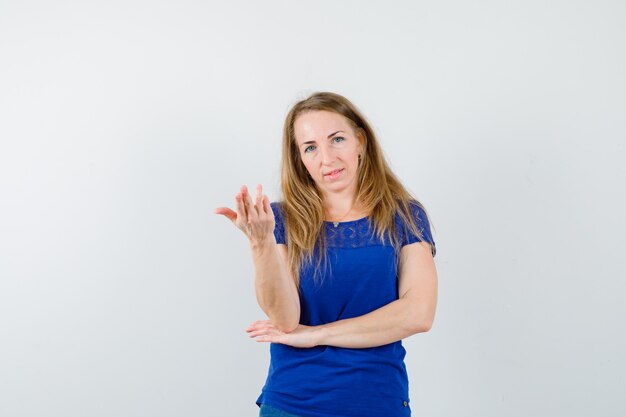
328	155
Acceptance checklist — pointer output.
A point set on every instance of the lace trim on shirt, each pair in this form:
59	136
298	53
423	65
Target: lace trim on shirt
356	234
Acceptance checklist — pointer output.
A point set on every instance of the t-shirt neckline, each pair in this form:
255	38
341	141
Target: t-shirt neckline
346	222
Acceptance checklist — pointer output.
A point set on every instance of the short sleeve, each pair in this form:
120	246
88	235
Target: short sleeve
423	226
279	228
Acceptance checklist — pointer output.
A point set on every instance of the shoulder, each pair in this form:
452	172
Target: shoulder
279	218
416	211
277	208
421	220
279	213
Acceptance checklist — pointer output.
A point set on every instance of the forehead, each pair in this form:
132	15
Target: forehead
318	124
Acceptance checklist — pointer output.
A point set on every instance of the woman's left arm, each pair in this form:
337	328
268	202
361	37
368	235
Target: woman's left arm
413	312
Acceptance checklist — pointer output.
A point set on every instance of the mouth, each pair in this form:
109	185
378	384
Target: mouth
336	171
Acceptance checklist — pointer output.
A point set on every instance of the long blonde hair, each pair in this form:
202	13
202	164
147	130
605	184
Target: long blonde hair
380	192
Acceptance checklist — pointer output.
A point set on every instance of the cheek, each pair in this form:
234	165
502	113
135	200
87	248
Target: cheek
308	165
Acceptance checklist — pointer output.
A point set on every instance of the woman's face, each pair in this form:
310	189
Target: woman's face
329	148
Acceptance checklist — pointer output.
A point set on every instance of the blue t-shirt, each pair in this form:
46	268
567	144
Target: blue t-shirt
330	381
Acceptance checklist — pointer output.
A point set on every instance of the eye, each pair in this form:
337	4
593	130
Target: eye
336	139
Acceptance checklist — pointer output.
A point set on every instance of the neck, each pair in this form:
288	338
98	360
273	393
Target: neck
338	207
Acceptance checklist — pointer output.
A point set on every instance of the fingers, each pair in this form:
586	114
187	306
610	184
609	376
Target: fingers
259	199
255	208
225	211
247	209
250	209
259	324
241	207
261	329
266	205
254	333
264	331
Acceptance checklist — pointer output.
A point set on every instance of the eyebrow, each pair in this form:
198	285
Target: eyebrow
329	136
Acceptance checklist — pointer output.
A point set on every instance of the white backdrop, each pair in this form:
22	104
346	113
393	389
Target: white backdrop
124	124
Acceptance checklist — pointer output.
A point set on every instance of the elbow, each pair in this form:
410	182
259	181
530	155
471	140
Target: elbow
425	326
288	327
422	321
286	323
420	327
426	323
282	320
418	316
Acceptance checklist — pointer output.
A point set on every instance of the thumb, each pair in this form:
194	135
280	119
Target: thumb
226	212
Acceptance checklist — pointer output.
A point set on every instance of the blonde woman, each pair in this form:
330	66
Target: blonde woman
344	269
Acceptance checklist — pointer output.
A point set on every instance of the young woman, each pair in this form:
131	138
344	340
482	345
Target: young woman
344	269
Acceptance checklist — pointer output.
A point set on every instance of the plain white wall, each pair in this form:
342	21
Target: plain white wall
124	124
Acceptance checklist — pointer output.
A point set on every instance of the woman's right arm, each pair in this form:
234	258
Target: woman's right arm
275	288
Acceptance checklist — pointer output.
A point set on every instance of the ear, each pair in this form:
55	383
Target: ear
360	134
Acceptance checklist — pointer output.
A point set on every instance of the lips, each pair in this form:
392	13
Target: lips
333	172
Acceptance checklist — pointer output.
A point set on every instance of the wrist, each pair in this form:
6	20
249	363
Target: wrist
262	245
319	335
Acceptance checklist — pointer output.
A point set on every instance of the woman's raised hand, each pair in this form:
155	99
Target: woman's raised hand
255	219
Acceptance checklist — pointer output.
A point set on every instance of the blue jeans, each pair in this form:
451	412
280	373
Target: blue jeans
270	411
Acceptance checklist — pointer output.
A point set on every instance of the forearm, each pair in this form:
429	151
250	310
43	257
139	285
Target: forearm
390	323
275	290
